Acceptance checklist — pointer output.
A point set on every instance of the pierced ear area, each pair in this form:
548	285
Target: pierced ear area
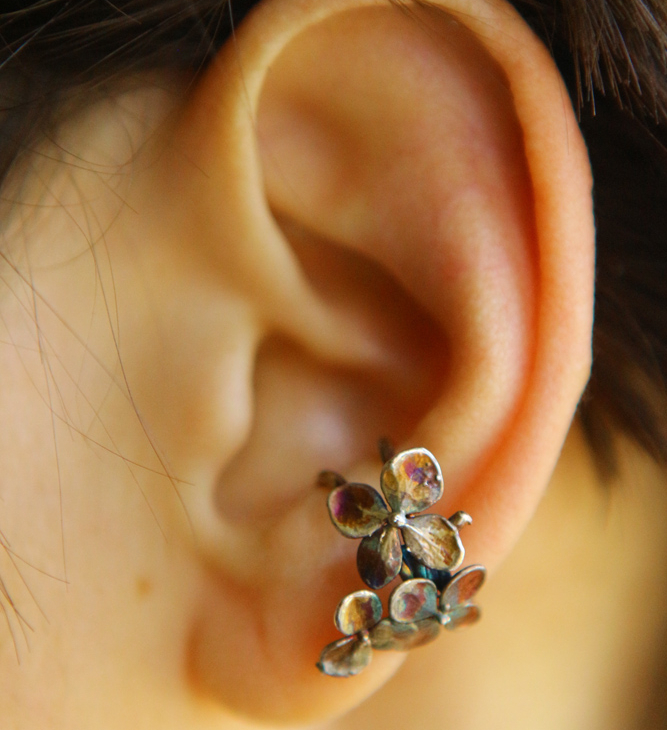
408	216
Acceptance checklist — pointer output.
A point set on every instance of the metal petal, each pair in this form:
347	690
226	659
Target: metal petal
390	636
358	611
461	616
379	557
412	481
462	587
357	510
434	541
414	600
345	657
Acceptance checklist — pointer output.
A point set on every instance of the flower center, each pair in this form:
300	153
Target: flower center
364	637
397	519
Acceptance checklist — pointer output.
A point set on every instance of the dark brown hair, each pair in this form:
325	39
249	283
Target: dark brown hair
613	56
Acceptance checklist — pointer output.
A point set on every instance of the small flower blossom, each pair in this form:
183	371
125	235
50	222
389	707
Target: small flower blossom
416	602
358	616
355	616
411	482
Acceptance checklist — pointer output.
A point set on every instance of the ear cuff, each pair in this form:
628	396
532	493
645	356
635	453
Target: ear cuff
396	541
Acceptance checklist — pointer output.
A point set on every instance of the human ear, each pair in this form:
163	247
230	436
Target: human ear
392	207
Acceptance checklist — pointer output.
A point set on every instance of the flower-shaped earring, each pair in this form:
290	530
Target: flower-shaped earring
431	597
411	482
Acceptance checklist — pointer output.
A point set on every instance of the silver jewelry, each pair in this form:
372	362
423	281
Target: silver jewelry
422	549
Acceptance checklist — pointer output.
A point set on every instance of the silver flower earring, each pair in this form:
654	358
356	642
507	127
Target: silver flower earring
431	596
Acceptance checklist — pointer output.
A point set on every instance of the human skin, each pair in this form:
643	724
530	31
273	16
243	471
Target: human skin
179	361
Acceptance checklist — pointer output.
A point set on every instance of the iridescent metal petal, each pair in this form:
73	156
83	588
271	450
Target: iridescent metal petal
414	600
345	657
462	587
357	510
390	636
358	611
379	557
412	481
461	616
434	542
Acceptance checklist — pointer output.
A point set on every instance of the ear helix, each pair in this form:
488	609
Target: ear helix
431	596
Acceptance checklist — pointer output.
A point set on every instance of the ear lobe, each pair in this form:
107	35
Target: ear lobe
440	150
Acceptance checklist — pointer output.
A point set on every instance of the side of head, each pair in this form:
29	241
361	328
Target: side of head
364	219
